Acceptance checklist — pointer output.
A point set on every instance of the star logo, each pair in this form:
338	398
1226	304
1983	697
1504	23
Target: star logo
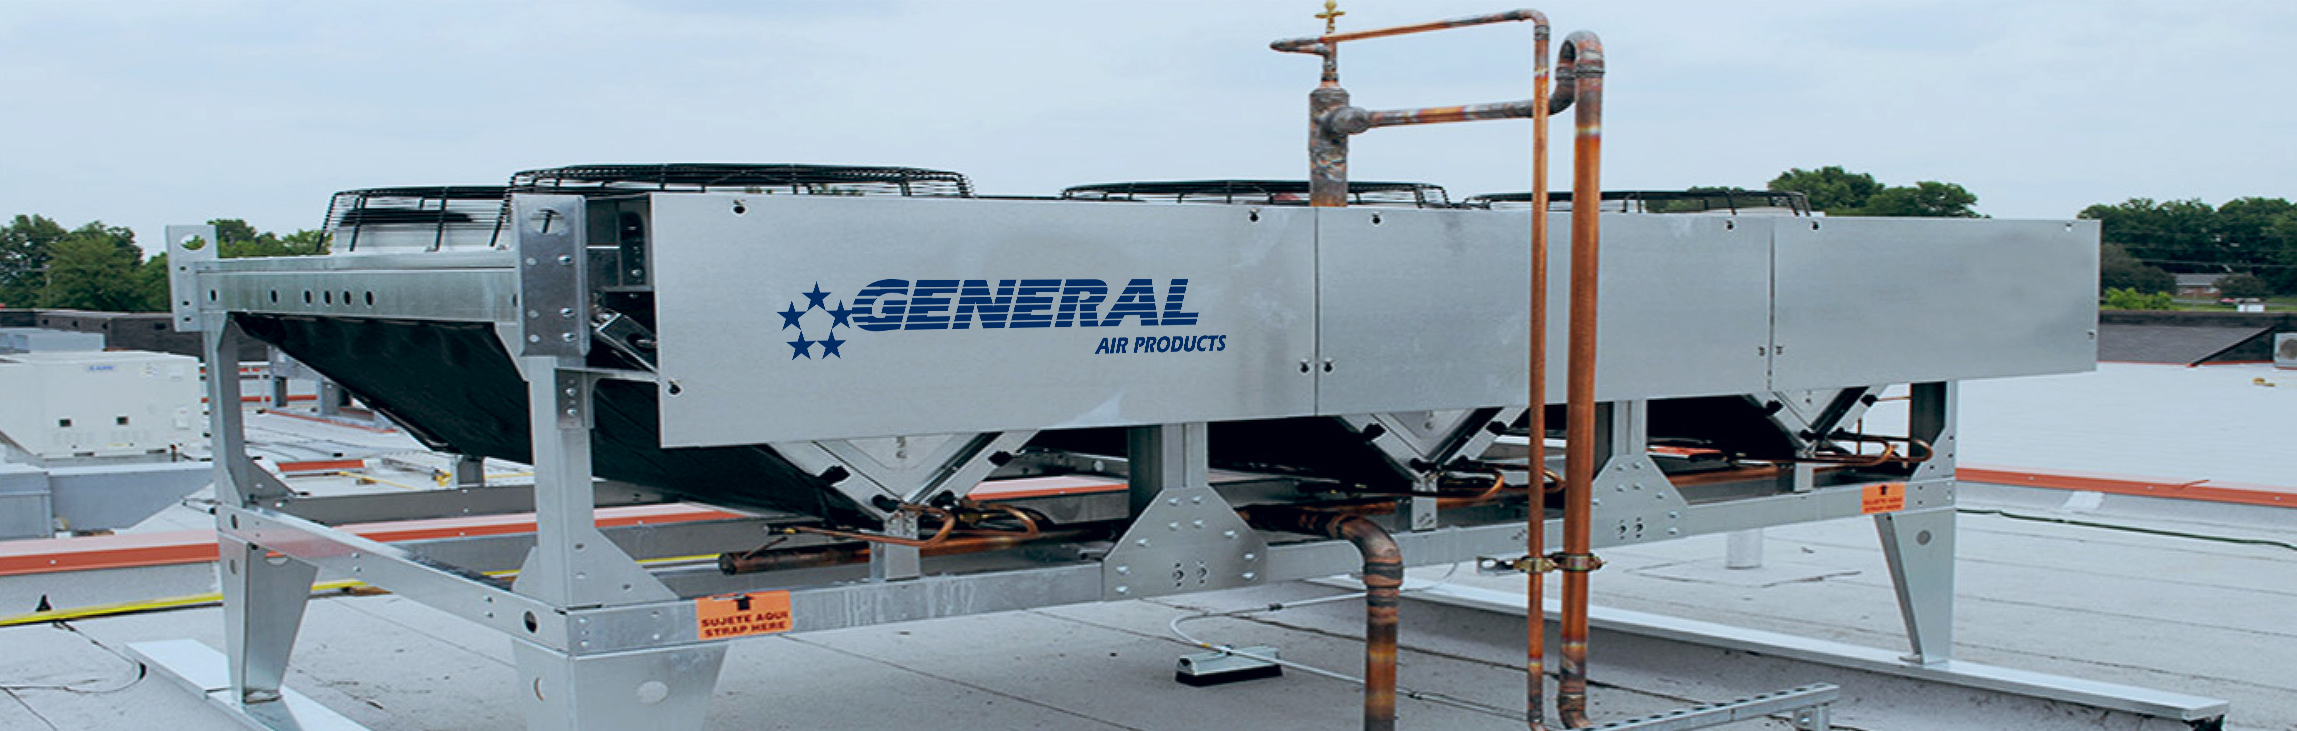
794	316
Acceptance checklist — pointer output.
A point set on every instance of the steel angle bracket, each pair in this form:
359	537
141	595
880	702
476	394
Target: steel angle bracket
1432	436
187	246
554	309
1635	503
911	469
1186	540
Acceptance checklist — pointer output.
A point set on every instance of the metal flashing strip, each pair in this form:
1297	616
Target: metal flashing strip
2206	490
202	670
2111	696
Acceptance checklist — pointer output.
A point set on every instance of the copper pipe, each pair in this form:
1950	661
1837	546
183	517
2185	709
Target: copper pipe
1331	119
974	513
1583	52
1535	533
840	554
1309	45
948	523
1383	592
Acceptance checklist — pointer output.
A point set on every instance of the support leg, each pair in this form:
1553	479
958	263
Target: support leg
1167	456
262	601
1919	546
648	689
263	606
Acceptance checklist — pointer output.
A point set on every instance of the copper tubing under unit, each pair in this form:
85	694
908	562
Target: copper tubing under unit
852	552
1383	593
1583	53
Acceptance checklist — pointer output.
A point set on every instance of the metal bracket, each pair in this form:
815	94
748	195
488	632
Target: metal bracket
554	312
1503	566
1807	708
629	338
1578	563
1186	540
188	245
1432	437
911	469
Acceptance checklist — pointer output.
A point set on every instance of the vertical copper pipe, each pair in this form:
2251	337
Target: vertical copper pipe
1327	149
1383	593
1584	52
1535	536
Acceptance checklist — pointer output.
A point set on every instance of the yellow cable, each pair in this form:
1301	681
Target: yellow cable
193	600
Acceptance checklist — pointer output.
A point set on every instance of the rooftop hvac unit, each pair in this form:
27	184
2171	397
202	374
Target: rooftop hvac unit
2285	351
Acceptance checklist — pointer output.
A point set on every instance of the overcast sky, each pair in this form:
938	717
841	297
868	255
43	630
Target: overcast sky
150	113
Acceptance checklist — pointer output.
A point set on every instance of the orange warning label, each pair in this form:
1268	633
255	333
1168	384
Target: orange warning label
727	616
1888	497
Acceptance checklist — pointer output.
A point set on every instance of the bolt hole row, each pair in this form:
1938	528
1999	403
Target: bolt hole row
322	297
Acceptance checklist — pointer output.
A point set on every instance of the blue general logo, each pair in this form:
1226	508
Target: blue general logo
796	318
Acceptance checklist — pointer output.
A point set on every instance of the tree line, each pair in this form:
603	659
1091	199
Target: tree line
99	267
2250	244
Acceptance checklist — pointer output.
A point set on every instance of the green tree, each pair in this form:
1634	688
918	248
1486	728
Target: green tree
1929	199
24	247
2245	235
242	240
2118	270
95	268
1830	189
2179	236
2282	273
2244	286
2130	299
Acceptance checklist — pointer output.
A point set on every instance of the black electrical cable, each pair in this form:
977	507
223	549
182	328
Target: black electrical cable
142	670
2130	528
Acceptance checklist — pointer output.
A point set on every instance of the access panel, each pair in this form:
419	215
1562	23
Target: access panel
787	318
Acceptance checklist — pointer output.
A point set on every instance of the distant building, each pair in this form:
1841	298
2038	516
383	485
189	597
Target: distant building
2198	286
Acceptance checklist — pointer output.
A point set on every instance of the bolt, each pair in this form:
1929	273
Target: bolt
1124	590
1251	557
565	260
1143	542
566	312
568	337
1229	534
1124	570
1248	576
1175	525
1200	525
1197	499
1174	501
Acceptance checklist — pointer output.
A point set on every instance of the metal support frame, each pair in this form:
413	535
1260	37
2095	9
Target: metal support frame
1184	537
263	599
1417	443
1918	545
607	644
